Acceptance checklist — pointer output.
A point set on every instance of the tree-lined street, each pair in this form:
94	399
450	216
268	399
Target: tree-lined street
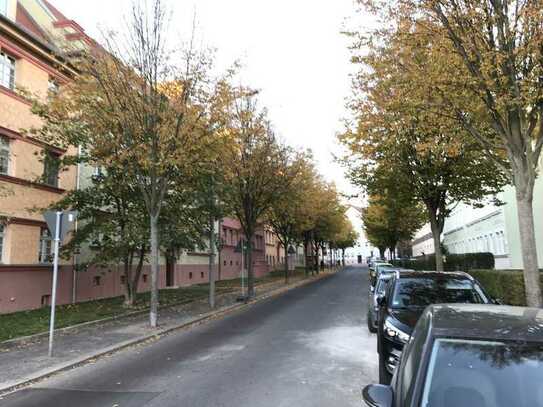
308	347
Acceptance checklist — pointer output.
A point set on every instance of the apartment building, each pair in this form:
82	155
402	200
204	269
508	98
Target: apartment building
32	35
492	229
30	179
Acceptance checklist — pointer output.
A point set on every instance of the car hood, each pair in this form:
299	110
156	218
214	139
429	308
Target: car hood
407	317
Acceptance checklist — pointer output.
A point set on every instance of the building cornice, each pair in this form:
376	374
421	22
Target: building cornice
27	183
23	40
14	135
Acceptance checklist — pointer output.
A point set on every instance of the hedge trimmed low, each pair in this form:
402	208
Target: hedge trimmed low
453	262
506	285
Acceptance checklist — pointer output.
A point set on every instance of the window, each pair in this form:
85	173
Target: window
7	68
144	278
483	373
45	299
46	246
123	280
4	155
202	274
51	166
2	230
190	275
96	281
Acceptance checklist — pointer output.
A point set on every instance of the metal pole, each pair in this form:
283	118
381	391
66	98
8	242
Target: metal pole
55	277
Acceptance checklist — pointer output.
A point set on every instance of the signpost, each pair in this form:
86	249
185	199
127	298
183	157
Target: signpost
58	223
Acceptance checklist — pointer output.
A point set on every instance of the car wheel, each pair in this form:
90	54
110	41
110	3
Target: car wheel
384	376
371	325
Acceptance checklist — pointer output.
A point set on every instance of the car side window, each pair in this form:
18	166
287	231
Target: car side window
412	359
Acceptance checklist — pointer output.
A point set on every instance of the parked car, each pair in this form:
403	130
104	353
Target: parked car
373	307
406	297
382	279
377	268
464	355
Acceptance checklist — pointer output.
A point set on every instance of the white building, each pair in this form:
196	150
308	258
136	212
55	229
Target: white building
491	229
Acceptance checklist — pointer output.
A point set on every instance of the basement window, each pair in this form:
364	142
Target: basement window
45	300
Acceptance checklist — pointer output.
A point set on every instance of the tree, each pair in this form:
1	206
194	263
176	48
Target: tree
151	104
389	220
395	141
490	83
286	215
500	45
347	238
113	225
252	167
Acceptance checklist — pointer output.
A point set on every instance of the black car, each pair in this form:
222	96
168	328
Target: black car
463	355
375	292
407	294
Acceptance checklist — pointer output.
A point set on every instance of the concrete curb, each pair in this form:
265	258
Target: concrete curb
12	387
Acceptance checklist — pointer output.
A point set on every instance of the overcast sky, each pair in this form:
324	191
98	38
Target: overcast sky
292	50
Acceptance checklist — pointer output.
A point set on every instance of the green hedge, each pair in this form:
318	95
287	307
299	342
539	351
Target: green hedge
506	285
453	262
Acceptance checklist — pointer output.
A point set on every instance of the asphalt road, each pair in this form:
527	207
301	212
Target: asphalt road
308	347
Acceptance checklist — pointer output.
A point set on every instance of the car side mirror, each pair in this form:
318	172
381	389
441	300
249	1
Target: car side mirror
372	289
497	301
378	395
381	300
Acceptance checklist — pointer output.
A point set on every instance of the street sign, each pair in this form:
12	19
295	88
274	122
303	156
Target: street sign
58	223
67	218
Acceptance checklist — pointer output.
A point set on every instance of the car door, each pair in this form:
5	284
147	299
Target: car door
406	380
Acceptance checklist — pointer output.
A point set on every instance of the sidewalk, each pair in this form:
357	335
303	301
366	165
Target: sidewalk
24	361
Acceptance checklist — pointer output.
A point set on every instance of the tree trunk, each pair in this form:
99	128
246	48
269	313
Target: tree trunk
381	252
529	250
436	234
211	262
317	264
133	280
286	264
306	265
155	265
343	257
250	268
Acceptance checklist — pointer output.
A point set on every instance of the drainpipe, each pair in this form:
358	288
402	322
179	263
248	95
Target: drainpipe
75	259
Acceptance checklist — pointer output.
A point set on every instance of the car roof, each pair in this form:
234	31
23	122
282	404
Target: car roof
484	321
434	274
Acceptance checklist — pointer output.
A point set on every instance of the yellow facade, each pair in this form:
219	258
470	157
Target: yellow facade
24	192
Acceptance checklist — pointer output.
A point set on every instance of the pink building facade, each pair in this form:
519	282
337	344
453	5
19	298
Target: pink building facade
24	287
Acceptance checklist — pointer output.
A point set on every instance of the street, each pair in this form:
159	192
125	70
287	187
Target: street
308	347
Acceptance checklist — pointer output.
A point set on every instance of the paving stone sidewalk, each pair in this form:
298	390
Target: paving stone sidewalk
25	360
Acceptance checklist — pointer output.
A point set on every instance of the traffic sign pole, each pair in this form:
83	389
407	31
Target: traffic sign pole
55	278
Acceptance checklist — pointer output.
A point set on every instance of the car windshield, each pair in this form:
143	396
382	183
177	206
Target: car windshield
465	373
420	292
